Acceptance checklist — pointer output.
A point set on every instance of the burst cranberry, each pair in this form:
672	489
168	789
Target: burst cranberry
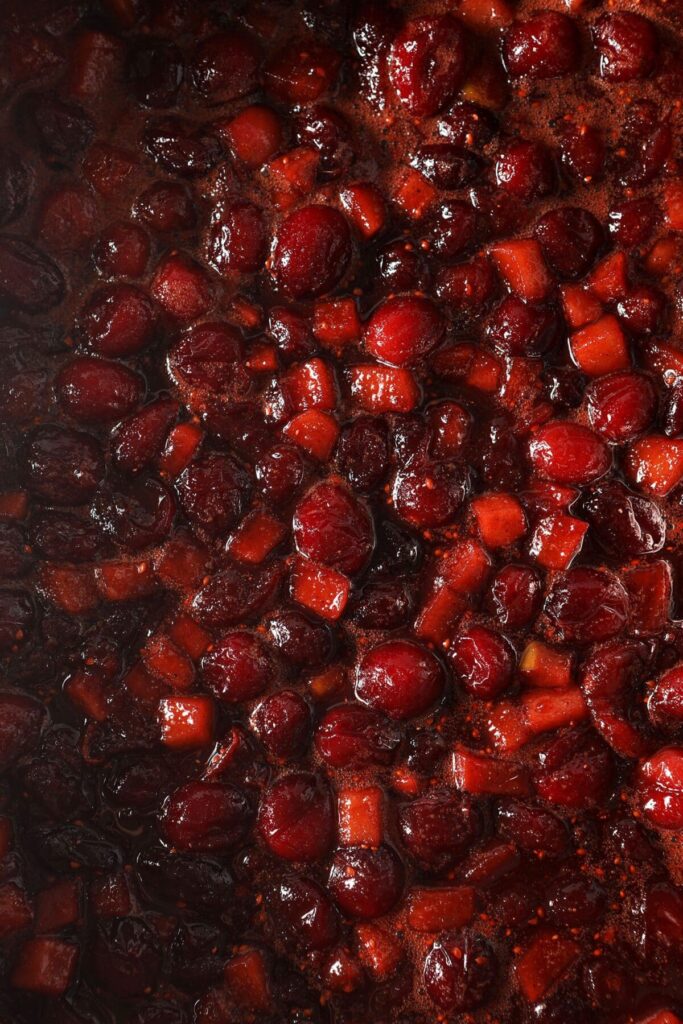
427	63
205	816
61	466
608	984
182	147
544	46
627	46
588	604
301	641
362	453
305	911
515	595
207	356
525	170
366	883
352	735
329	132
532	828
280	474
96	390
400	679
519	328
570	237
460	971
482	661
403	330
235	594
237	238
118	320
312	251
136	515
621	405
125	957
283	724
21	717
225	66
122	250
624	523
642	310
238	667
214	491
296	819
438	828
401	267
661	788
568	453
332	527
575	771
428	497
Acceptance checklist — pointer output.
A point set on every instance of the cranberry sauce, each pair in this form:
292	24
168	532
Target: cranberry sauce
341	499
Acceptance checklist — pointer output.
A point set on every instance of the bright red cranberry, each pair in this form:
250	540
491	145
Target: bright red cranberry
331	526
568	453
138	439
515	595
575	771
588	605
166	207
352	735
627	46
207	356
118	320
660	781
621	405
570	237
122	250
238	667
428	497
282	722
525	170
29	279
62	466
642	311
625	524
204	816
665	702
632	221
312	251
237	238
519	328
366	883
214	492
225	66
155	71
460	971
305	911
403	330
296	818
438	828
427	63
544	46
482	661
96	390
399	678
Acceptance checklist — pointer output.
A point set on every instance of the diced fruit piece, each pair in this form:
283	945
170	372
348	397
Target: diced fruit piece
378	951
186	722
512	725
58	906
310	385
413	193
434	910
600	347
256	537
609	280
166	662
247	979
336	322
361	816
655	463
462	572
500	519
522	266
124	581
16	912
181	445
547	959
545	667
580	305
314	431
71	587
320	589
557	540
650	589
189	636
383	389
46	966
86	690
480	775
366	208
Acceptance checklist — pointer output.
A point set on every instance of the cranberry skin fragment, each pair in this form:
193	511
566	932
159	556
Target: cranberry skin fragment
351	735
305	911
427	62
203	816
403	330
29	279
238	667
438	828
587	605
482	661
546	45
331	526
366	883
282	721
296	818
568	453
460	970
312	252
62	466
400	679
627	46
660	788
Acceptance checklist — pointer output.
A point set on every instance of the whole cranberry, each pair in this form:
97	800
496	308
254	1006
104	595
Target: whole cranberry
165	207
181	146
207	356
302	642
430	496
118	320
427	62
584	152
204	816
401	267
366	883
625	524
283	724
237	238
280	473
238	667
518	328
627	46
460	971
643	310
214	491
399	678
403	329
570	238
660	784
352	735
29	279
363	452
312	251
621	405
587	604
575	771
305	911
62	466
632	221
446	166
122	250
533	828
296	818
328	131
453	229
483	662
545	45
525	170
438	828
331	526
568	453
225	66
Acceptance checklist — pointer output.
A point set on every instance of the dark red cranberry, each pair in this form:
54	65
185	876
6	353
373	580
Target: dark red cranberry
207	356
59	130
122	250
62	466
366	883
515	595
166	207
525	170
570	237
59	536
205	816
29	279
15	554
238	667
482	661
428	497
383	604
235	594
608	984
574	903
438	828
632	221
214	492
621	405
137	516
427	63
453	228
21	717
575	771
445	165
155	71
118	320
181	147
237	238
663	914
543	46
627	46
15	185
468	288
312	251
331	526
137	441
519	328
532	828
642	311
625	524
329	133
352	735
282	722
584	152
401	267
587	605
139	784
280	474
296	818
466	124
225	66
125	957
302	642
460	971
363	454
97	390
305	911
399	678
304	73
197	956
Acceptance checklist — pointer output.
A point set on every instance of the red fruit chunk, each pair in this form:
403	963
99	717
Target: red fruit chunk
378	951
321	590
331	526
225	66
302	74
655	464
166	207
544	46
521	264
660	783
460	971
650	590
399	678
434	910
46	966
481	775
108	168
365	206
361	817
483	662
547	959
500	519
186	722
310	385
403	330
255	135
575	771
336	323
95	390
312	251
247	981
118	320
181	287
124	581
238	667
557	540
427	63
139	439
71	587
352	735
296	819
383	389
366	883
627	46
568	453
16	912
206	816
256	537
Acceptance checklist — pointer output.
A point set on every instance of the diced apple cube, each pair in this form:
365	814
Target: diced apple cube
143	687
246	977
547	710
181	563
545	961
361	817
71	587
186	722
167	662
500	519
520	263
655	463
336	323
189	636
557	540
478	774
256	537
580	305
609	280
650	589
434	910
600	347
469	364
439	611
86	690
382	389
314	431
320	589
378	951
413	193
125	581
310	385
16	912
58	906
46	966
365	207
545	667
293	175
181	444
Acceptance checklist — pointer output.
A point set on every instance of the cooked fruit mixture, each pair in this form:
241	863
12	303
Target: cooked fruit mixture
341	512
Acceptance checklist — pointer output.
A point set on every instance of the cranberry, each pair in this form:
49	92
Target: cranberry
60	536
661	788
137	441
155	71
446	165
181	147
122	250
166	207
570	237
632	221
627	46
663	914
205	816
61	131
453	229
366	883
62	466
362	453
621	405
608	984
468	288
401	267
532	828
280	474
214	492
575	771
238	667
283	724
482	661
225	66
235	594
403	330
400	679
515	595
575	903
584	152
332	527
525	170
383	604
237	238
466	124
544	46
305	912
438	828
312	251
137	516
568	453
427	63
96	390
296	819
351	735
28	278
196	960
15	185
518	328
460	971
125	957
21	717
624	523
118	320
207	356
665	702
329	133
587	605
302	74
301	641
15	554
642	310
139	784
428	497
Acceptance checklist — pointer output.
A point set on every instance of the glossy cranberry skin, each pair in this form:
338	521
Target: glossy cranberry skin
482	662
204	816
625	524
352	735
238	667
62	466
587	605
519	328
301	641
280	473
331	526
95	390
627	46
181	146
568	453
207	356
304	909
438	828
237	239
214	491
312	251
632	221
525	170
125	956
363	453
427	62
575	771
570	238
403	330
166	206
400	679
366	883
122	250
282	722
621	405
544	46
515	595
460	971
660	781
533	828
429	496
225	66
118	320
296	818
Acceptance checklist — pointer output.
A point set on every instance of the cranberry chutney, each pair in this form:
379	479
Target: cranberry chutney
341	499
